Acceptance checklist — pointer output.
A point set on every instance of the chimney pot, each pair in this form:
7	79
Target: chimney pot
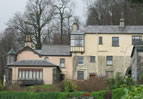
28	41
122	22
75	27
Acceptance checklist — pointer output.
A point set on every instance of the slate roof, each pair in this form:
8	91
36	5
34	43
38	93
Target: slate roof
113	29
42	63
55	50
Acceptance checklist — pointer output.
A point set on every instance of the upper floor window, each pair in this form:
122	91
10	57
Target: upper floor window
92	58
115	41
137	40
77	40
80	60
62	62
100	40
109	60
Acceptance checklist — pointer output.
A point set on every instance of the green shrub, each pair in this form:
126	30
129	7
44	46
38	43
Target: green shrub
135	93
120	81
129	81
69	86
118	93
141	77
99	94
1	86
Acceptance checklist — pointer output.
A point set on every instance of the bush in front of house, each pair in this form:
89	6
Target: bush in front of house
14	87
120	81
93	84
69	86
141	78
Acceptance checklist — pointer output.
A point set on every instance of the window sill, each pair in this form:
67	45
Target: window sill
80	64
109	65
62	67
92	62
115	46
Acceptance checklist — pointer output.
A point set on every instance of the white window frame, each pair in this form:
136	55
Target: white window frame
109	62
62	64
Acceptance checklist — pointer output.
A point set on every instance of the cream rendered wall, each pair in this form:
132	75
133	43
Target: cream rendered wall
47	73
92	47
106	49
121	54
68	64
28	55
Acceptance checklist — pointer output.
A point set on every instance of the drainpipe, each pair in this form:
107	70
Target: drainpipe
4	80
97	65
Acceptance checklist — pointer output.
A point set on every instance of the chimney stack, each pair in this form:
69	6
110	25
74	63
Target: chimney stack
122	23
75	27
28	41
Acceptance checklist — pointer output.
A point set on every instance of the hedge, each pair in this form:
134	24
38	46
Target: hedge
45	95
99	94
30	95
116	94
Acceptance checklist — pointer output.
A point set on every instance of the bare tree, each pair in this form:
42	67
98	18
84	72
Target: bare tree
63	10
11	40
36	17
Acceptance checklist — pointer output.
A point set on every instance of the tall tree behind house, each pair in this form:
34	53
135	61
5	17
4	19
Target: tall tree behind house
64	14
109	12
37	15
11	40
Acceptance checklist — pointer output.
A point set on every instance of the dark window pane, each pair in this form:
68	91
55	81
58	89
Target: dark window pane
62	62
109	60
80	60
92	58
80	75
115	41
100	40
137	40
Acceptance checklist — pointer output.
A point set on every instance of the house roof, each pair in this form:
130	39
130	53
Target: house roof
113	29
33	63
55	50
29	49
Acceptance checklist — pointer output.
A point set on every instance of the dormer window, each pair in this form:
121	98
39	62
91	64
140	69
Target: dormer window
77	40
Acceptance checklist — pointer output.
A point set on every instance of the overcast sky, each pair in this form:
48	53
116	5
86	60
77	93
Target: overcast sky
9	7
